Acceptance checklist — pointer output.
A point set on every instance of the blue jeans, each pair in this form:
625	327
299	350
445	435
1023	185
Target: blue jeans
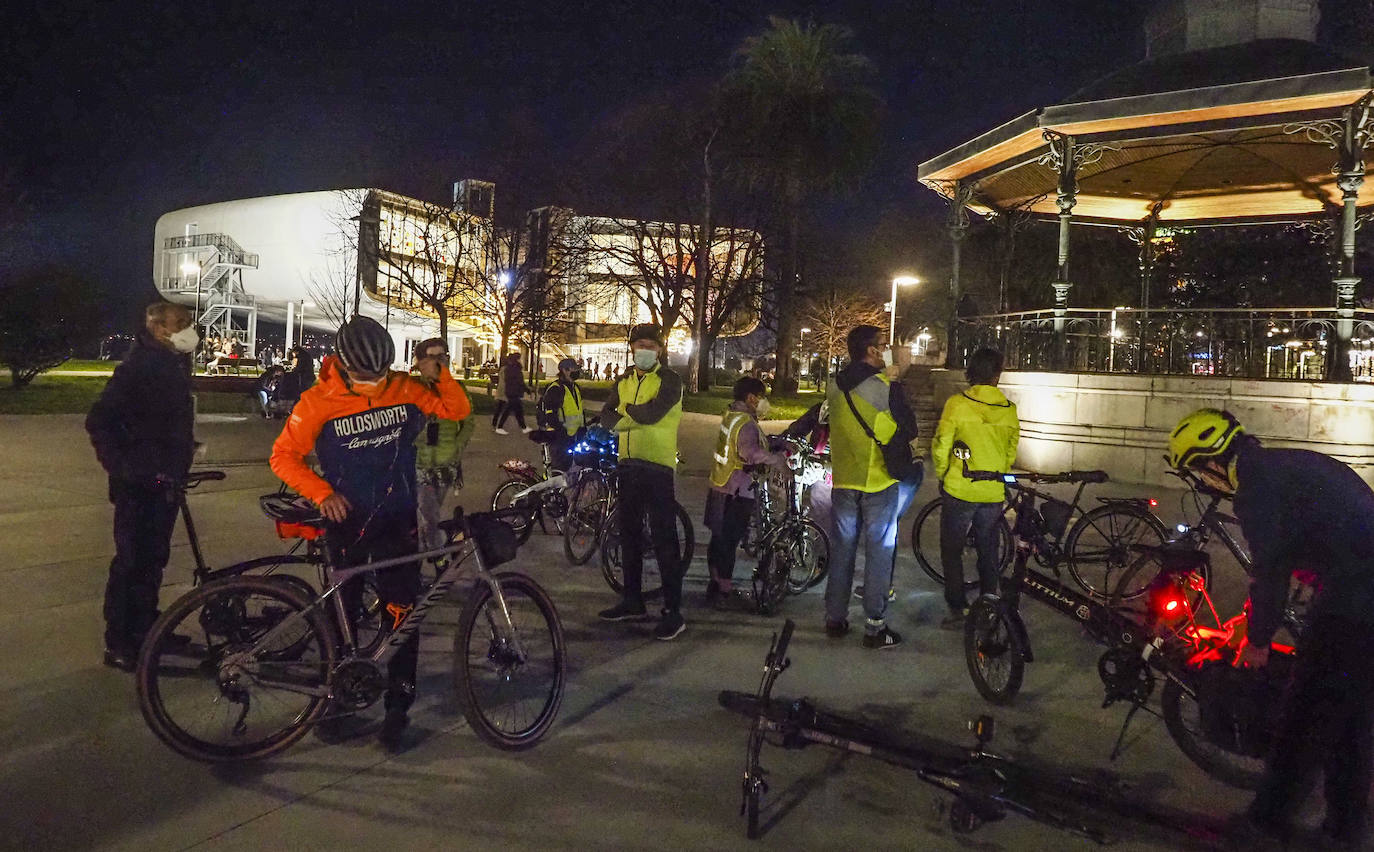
874	516
956	517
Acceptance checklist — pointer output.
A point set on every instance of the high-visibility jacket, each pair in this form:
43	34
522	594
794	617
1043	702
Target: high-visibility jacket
561	407
727	458
985	420
364	441
856	460
645	411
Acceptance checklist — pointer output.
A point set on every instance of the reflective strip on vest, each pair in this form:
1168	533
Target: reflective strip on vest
727	459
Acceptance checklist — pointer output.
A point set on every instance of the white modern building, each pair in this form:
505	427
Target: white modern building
310	260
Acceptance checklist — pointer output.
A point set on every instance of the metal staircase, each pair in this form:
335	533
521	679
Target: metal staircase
225	309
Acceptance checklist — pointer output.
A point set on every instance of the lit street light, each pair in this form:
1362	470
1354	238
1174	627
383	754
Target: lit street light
899	281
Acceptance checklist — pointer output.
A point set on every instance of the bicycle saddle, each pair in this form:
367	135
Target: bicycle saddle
196	477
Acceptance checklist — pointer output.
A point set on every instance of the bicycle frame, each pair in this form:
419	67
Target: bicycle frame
399	633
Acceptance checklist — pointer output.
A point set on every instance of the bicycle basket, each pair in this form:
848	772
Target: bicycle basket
496	539
1056	514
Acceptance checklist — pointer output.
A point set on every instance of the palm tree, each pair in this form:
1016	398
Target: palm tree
810	120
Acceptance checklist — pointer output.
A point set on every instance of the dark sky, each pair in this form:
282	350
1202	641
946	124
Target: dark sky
112	113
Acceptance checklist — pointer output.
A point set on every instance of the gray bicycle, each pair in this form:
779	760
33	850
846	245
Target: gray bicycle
241	668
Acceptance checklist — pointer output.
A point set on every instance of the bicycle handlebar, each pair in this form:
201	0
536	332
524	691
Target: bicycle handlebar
1086	476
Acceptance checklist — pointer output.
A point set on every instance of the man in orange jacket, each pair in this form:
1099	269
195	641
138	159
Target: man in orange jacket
361	420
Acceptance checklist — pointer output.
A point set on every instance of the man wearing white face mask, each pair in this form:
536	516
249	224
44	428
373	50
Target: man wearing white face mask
141	428
644	409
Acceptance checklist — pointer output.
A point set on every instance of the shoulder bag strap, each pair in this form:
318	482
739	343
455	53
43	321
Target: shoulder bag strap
862	423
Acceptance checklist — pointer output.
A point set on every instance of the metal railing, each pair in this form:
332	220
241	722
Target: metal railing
1275	343
230	251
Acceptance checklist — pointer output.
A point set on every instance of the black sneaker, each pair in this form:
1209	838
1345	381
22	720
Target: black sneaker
885	638
623	611
670	626
393	726
837	629
122	660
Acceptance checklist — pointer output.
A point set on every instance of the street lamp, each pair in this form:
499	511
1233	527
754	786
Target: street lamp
899	281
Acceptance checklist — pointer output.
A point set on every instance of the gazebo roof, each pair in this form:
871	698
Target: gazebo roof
1223	150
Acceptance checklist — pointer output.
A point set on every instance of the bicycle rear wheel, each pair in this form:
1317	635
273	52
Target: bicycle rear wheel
652	583
510	675
1099	548
994	650
218	698
925	544
587	511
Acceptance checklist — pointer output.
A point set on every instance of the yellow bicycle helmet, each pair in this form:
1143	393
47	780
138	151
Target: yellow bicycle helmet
1204	434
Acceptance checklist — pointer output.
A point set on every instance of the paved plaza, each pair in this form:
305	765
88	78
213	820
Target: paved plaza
641	756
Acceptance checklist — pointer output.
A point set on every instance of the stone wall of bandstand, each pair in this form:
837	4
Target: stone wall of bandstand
1120	423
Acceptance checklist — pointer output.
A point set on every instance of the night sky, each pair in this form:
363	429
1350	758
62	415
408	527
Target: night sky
112	113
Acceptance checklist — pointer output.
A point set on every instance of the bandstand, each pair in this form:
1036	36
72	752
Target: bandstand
1235	117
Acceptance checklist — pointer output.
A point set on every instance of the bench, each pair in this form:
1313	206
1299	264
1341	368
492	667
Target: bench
223	365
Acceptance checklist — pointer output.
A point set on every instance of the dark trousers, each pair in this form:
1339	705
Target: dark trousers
645	490
1327	724
385	538
560	457
956	516
143	522
513	406
726	534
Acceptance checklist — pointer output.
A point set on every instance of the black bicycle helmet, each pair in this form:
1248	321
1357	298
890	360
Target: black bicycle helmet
365	347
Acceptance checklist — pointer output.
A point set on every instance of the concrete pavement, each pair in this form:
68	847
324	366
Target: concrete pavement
641	756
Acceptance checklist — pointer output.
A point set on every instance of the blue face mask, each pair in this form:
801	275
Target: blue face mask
645	359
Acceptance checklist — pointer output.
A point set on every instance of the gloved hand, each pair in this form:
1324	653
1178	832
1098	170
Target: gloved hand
599	434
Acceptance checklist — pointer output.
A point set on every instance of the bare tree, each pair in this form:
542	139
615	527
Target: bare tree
832	316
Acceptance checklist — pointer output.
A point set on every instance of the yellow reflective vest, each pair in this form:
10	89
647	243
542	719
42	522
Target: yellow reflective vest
727	458
985	420
656	394
856	460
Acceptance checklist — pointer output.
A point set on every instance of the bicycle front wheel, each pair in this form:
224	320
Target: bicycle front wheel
223	696
994	650
925	544
510	673
504	497
587	509
1099	548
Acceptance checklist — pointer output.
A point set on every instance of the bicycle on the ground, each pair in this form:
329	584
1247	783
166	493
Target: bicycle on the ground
985	786
265	662
1094	549
793	550
1151	629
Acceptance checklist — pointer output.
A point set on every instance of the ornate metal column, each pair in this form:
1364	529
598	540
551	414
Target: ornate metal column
1143	235
961	193
1066	158
1349	136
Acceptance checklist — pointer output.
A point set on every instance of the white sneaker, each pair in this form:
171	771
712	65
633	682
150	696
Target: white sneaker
501	431
526	429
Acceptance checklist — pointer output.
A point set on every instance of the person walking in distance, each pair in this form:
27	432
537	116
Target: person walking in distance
438	449
730	500
984	420
142	429
361	421
645	407
865	408
514	388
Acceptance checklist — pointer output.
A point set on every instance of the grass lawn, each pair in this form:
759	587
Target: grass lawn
59	394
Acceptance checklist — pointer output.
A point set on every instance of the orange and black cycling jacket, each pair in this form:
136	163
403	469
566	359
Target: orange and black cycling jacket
364	439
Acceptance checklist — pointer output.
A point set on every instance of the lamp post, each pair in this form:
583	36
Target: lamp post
899	281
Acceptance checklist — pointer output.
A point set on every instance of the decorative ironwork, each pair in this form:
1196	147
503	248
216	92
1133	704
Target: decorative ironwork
1349	135
1276	343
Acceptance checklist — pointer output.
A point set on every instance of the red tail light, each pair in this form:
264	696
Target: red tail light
1153	502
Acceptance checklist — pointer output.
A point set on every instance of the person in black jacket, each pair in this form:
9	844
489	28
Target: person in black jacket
513	383
1302	509
141	428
